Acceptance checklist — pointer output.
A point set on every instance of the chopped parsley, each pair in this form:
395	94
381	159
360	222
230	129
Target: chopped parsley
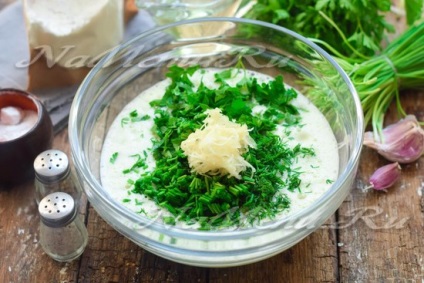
134	117
124	121
112	159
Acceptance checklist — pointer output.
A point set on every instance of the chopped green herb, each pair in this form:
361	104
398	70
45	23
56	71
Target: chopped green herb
140	118
125	200
328	181
112	159
133	117
169	220
142	211
140	163
133	114
124	121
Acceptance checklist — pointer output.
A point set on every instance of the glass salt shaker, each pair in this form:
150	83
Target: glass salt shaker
53	174
63	235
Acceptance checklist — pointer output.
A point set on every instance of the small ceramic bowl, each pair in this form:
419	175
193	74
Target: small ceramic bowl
17	154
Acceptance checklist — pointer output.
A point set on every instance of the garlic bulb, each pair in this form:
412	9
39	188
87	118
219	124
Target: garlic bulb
403	141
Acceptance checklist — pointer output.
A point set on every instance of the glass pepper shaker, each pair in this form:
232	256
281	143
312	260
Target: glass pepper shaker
63	235
53	174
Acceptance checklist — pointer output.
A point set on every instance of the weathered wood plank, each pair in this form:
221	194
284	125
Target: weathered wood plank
110	257
312	260
386	244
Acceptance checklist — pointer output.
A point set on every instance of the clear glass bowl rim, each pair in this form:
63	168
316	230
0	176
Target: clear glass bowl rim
153	4
95	186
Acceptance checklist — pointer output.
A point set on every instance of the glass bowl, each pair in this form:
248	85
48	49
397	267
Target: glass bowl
220	43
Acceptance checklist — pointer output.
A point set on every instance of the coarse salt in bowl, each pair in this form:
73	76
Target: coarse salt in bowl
25	131
214	43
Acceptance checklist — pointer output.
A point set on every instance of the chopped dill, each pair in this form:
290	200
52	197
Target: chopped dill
169	220
140	163
142	211
124	121
133	117
140	118
112	159
133	113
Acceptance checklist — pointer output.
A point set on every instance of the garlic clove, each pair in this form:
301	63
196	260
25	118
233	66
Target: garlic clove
403	141
384	177
406	149
392	132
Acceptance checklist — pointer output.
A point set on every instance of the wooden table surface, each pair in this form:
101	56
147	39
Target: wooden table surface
373	237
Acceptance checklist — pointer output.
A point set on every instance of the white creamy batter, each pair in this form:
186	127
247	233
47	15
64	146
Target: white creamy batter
134	138
87	28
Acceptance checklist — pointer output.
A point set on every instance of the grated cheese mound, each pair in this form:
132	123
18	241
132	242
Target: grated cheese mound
216	148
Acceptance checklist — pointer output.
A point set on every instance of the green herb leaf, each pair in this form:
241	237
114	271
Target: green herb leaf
413	10
328	181
112	159
362	22
124	121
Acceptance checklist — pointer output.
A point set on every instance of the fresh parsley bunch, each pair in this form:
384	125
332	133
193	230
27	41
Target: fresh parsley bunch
352	31
362	22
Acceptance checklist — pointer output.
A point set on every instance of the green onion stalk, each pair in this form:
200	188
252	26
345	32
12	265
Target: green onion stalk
379	79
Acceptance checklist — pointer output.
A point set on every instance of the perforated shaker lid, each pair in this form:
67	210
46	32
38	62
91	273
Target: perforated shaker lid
51	165
57	209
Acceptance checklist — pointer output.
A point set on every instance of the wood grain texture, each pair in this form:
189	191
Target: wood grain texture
110	257
383	241
312	260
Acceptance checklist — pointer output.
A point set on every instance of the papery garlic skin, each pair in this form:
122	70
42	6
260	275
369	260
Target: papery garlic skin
403	141
385	177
